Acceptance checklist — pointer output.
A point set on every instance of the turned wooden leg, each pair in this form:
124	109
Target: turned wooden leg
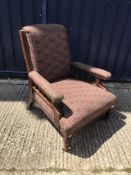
66	144
30	99
29	106
106	115
66	140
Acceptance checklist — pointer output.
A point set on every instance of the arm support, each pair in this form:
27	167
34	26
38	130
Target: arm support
45	87
97	72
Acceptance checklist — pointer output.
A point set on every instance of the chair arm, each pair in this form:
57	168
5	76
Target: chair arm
97	72
45	87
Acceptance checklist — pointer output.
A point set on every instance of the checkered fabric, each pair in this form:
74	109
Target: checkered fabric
50	57
49	50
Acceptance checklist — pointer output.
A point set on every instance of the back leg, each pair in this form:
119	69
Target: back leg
106	115
30	99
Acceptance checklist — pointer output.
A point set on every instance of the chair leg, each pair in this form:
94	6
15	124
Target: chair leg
30	99
66	145
30	105
106	115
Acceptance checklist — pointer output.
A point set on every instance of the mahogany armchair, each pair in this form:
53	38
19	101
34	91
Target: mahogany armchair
68	102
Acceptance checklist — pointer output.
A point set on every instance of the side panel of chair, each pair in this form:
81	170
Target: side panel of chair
26	54
34	91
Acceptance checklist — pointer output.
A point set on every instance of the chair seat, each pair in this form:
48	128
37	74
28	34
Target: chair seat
82	103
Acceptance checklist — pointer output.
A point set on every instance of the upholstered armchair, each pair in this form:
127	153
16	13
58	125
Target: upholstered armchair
68	102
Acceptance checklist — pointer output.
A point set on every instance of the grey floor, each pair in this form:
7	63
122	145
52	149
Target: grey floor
29	144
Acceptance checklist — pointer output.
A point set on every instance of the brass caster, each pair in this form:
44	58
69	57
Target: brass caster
67	146
66	149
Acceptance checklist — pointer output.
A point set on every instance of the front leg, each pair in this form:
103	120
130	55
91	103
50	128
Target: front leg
66	141
66	144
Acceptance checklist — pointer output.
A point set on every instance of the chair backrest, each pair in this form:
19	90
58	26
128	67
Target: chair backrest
46	50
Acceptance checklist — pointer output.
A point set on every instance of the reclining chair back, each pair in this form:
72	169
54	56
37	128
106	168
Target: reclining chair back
47	50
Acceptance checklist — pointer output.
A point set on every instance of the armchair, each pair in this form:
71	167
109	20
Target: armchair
68	102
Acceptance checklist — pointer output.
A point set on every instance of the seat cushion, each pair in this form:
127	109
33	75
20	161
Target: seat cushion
82	103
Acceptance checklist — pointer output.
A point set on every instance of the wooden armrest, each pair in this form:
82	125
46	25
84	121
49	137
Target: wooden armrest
45	87
97	72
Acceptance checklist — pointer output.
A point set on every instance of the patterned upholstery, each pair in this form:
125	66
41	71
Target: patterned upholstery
82	103
49	50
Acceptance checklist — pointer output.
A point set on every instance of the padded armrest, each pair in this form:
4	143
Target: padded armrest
97	72
45	86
